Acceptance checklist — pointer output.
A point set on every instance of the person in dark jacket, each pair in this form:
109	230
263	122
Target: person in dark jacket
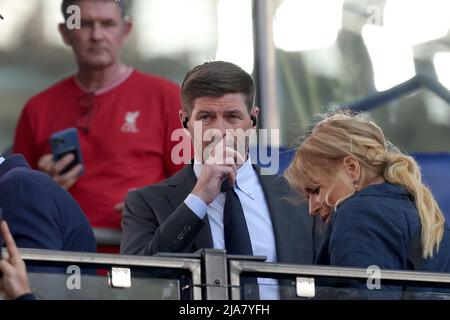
379	211
40	214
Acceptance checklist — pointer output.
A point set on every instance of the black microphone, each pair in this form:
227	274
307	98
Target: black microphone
185	122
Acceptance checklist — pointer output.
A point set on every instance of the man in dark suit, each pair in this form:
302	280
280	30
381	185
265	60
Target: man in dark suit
191	210
40	213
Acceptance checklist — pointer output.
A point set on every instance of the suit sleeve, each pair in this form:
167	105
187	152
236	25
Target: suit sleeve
144	234
24	141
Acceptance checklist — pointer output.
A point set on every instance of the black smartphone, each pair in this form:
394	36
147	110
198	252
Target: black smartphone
65	142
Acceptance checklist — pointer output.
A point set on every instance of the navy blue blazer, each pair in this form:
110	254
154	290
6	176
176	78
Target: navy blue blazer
41	214
374	227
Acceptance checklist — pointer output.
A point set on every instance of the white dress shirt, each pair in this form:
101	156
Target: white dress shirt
1	160
257	217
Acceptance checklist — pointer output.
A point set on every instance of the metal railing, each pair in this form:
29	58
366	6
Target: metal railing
107	237
208	274
238	268
114	272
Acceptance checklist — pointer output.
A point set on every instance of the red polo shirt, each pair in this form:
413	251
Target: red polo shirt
125	135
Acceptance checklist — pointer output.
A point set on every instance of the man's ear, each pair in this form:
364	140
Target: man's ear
64	32
255	111
127	28
182	115
184	119
352	168
254	116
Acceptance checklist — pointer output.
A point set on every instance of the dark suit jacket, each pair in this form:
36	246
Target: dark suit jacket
39	212
155	219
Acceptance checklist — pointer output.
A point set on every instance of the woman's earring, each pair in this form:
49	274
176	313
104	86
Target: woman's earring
356	186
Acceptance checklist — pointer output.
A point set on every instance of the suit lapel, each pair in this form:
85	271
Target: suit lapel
180	187
281	221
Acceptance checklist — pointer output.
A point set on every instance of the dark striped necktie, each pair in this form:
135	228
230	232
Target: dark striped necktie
237	237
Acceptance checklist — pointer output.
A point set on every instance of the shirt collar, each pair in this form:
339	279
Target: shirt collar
109	86
1	160
243	178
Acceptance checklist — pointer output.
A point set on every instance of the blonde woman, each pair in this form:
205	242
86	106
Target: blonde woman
379	211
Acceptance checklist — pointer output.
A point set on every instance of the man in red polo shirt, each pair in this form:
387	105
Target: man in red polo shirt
124	117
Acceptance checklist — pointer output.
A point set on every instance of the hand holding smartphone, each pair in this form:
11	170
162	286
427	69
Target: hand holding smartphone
66	142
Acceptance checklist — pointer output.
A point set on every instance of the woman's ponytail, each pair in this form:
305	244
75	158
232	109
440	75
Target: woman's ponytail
403	170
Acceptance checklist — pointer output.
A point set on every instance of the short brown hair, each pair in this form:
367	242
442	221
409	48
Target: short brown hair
216	79
67	3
